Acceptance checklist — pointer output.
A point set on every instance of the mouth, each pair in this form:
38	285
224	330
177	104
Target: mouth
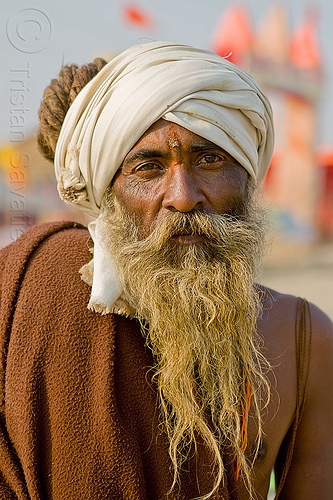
188	238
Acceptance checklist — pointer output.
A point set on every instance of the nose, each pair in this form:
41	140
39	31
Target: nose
182	192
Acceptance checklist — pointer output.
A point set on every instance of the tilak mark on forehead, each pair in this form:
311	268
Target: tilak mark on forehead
173	141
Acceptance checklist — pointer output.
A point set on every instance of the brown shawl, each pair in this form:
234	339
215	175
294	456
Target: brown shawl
78	414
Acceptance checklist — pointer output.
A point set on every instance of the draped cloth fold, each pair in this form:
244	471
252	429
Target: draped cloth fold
78	405
194	88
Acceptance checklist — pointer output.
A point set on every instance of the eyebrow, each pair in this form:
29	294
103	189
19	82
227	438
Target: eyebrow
205	146
143	154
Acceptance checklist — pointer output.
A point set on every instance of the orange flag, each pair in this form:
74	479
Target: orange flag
137	17
232	37
305	51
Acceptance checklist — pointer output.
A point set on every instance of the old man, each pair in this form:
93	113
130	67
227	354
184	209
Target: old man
159	369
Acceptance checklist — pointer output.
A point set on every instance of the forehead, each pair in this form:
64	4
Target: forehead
171	135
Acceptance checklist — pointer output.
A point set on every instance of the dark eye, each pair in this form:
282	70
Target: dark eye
148	168
210	158
145	166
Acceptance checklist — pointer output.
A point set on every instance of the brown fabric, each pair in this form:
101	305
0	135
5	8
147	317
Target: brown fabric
78	412
303	339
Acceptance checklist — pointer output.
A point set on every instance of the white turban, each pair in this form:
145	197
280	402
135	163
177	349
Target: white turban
194	88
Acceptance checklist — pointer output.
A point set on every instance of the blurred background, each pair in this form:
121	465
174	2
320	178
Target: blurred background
286	45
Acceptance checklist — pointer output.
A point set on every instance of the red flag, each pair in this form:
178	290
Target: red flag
232	36
136	16
305	51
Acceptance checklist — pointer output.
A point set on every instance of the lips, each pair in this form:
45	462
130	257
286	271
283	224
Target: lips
188	238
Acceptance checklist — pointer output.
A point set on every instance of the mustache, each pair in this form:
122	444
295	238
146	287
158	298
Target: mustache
223	233
195	223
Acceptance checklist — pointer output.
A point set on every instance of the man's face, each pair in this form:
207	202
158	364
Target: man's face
184	230
173	169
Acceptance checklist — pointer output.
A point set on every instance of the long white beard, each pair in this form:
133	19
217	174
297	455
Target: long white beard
198	306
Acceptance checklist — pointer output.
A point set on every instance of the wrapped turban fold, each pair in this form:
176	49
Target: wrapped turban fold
194	88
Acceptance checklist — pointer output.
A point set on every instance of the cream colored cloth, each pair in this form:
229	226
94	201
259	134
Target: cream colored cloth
192	87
